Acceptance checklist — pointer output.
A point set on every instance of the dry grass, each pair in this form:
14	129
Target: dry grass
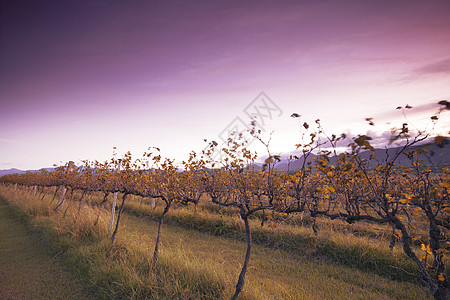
365	253
202	253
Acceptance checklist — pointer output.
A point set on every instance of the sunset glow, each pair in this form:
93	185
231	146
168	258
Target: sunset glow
80	77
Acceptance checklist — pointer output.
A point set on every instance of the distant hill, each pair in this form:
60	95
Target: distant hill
437	155
11	171
17	171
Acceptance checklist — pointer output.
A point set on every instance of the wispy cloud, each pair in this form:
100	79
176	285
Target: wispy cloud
439	67
426	110
10	141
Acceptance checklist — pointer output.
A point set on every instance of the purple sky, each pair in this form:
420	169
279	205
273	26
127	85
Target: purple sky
78	77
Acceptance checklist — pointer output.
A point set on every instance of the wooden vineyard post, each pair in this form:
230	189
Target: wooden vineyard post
152	202
61	197
64	189
113	210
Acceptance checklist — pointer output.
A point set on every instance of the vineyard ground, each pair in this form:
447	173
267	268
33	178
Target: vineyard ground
200	264
337	242
28	269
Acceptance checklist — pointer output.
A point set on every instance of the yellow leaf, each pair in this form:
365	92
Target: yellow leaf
442	251
441	277
330	189
269	160
445	184
407	196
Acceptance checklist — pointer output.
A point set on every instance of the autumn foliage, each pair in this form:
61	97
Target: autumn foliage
352	185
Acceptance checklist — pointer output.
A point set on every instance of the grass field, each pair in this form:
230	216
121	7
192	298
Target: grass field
202	251
28	268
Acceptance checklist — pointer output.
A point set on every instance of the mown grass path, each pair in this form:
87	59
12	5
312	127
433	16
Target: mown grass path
28	270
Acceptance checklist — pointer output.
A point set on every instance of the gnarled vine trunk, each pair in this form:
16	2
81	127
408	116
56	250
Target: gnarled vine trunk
61	198
113	237
161	219
241	280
